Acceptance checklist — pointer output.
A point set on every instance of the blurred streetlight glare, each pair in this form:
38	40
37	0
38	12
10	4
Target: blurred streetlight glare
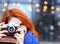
3	9
37	10
45	7
5	4
37	5
52	7
57	9
52	12
45	2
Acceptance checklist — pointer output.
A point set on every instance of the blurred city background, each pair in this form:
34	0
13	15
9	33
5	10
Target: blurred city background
44	14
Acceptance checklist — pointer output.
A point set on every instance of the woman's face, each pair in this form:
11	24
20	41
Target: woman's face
17	21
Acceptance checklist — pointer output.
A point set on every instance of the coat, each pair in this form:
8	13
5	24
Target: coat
30	38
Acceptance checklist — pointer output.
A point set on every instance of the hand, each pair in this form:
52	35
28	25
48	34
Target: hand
4	31
20	37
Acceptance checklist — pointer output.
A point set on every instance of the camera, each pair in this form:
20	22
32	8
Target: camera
11	27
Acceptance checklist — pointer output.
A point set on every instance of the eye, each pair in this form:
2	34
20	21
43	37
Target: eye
21	24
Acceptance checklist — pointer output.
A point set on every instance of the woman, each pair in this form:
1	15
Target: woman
28	34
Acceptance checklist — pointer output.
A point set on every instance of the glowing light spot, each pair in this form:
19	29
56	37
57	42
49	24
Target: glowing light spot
37	5
3	9
45	2
52	7
37	10
29	0
45	7
52	12
57	9
5	4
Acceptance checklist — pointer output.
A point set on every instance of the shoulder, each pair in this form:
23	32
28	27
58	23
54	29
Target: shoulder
30	38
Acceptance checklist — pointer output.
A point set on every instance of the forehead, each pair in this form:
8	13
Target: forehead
15	20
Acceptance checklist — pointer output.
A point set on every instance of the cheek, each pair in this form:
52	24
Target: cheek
24	28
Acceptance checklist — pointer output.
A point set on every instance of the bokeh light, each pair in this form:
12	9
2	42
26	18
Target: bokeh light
57	9
5	4
45	7
3	9
14	3
58	23
45	2
37	5
44	10
52	12
29	0
37	10
52	7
